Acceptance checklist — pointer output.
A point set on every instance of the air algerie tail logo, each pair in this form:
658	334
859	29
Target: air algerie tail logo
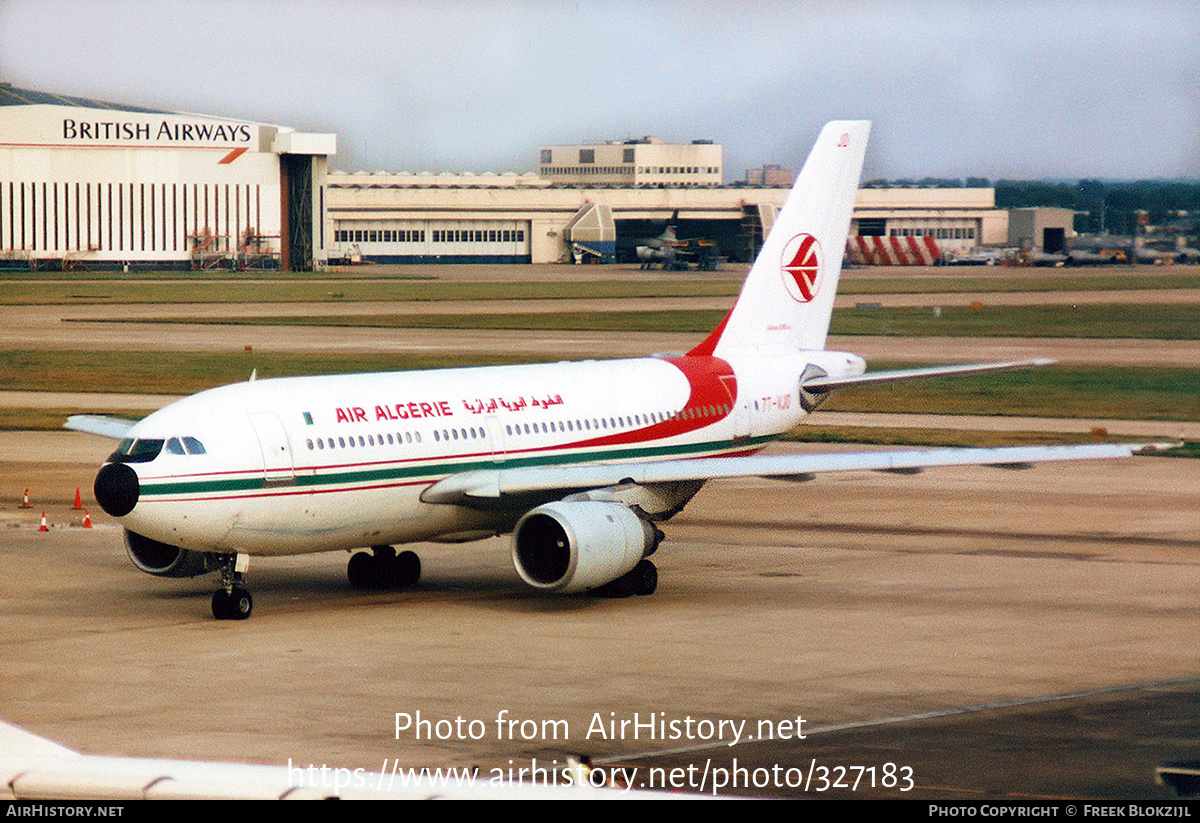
801	267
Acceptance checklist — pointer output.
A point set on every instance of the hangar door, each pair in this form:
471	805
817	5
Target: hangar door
297	231
1054	239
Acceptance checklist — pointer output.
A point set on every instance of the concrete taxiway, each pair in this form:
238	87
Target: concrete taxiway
846	601
1002	634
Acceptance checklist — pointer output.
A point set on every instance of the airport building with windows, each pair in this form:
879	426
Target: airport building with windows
647	161
89	184
84	183
526	218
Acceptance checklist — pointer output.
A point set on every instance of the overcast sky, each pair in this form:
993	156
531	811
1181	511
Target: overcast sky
994	89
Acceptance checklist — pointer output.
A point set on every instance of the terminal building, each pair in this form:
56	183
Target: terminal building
92	184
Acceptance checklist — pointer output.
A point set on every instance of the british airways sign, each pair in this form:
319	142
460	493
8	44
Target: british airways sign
198	132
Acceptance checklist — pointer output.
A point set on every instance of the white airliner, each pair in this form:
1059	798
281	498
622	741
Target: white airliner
579	461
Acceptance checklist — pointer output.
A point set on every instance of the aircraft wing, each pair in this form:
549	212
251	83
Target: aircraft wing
101	424
491	484
34	768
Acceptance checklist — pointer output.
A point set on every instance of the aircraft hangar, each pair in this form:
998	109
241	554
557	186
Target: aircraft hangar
85	183
531	218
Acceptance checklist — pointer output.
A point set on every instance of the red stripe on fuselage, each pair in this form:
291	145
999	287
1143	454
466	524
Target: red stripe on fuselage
711	382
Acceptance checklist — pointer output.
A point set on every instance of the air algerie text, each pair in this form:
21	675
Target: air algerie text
395	411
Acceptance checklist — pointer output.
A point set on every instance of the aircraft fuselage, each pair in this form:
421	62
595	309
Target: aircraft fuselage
313	464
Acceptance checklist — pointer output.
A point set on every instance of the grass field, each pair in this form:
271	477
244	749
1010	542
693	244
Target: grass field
310	290
35	288
1155	322
1058	391
1052	391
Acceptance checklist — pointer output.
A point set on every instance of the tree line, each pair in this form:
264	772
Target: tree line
1100	205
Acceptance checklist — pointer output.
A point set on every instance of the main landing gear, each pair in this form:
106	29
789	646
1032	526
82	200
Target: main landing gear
384	569
641	581
232	601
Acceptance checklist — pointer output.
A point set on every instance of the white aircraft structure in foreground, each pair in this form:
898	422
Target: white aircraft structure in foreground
33	768
580	462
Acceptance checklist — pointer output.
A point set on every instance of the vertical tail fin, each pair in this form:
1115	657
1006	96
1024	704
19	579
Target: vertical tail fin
787	298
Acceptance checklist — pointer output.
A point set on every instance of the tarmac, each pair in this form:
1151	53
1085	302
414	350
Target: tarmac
963	633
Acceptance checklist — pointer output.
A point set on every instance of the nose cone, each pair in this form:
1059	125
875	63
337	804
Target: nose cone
117	489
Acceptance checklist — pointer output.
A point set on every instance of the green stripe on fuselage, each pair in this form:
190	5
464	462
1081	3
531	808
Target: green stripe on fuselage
435	471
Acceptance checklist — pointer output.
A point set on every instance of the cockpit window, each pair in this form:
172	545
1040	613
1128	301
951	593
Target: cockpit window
139	450
193	445
174	446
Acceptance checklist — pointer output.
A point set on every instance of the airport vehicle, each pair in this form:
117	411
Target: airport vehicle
580	462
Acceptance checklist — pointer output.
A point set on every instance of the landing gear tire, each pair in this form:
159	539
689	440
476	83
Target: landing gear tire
641	581
645	578
408	566
382	568
232	605
361	571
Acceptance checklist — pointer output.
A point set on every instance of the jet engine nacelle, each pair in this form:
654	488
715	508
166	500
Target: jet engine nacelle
574	546
163	559
647	254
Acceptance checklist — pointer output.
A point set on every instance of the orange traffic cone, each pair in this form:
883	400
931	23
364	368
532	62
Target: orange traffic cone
87	520
43	527
25	500
78	500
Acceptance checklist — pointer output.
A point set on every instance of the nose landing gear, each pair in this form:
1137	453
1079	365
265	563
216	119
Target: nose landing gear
232	601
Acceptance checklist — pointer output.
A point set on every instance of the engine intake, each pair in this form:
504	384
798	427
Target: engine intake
575	546
163	559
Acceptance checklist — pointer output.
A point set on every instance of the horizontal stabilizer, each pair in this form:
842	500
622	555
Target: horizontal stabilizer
828	383
101	424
